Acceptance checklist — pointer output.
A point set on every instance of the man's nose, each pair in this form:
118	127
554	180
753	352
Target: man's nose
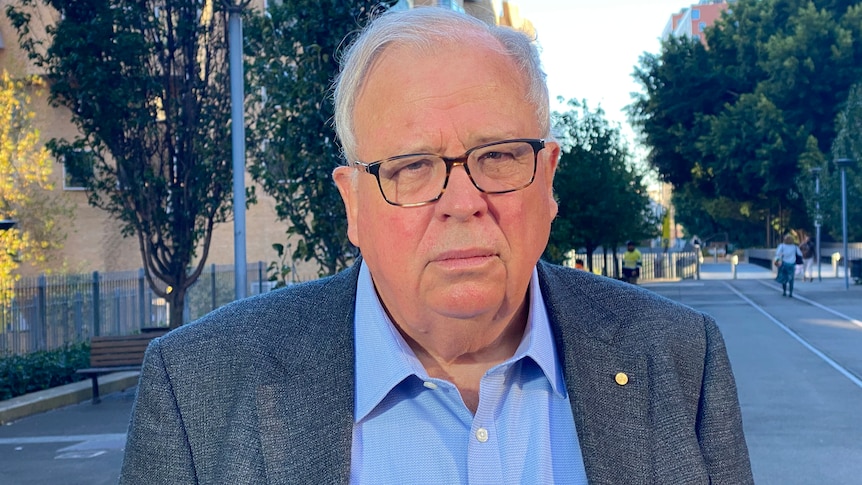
461	197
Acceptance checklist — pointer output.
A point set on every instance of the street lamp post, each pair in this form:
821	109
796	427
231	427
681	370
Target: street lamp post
843	163
817	217
234	8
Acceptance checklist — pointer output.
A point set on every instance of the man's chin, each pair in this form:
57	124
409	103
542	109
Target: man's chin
468	301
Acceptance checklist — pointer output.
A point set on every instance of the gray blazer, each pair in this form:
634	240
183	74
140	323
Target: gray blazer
261	390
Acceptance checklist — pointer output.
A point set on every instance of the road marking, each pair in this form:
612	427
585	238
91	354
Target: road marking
37	440
818	305
814	350
78	455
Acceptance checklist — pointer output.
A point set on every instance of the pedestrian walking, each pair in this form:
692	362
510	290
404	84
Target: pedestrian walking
785	260
808	249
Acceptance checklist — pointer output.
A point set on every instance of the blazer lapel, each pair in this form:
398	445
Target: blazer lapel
609	395
608	388
305	407
305	438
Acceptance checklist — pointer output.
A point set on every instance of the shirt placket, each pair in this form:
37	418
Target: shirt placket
484	464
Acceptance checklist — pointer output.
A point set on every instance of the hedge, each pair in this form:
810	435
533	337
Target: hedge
20	374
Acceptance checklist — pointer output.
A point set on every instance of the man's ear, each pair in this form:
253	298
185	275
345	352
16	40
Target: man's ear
552	158
345	180
551	155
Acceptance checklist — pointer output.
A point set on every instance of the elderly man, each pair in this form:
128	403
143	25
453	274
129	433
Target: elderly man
448	353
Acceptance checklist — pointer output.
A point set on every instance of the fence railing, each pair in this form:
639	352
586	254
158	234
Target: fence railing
49	311
656	265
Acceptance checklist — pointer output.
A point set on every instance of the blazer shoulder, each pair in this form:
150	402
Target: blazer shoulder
305	313
610	310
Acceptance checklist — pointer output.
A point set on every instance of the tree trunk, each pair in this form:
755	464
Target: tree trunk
177	306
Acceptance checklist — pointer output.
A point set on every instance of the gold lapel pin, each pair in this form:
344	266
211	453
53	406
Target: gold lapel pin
621	378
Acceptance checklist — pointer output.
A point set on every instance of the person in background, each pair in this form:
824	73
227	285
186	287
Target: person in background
785	260
808	250
448	353
632	263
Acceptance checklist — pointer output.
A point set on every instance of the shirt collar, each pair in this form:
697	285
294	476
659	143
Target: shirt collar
383	358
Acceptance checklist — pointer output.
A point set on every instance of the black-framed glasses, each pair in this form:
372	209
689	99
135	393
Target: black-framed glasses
421	178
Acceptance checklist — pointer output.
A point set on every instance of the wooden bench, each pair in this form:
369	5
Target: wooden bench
117	354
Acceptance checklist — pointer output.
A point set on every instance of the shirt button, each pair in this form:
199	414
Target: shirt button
482	435
430	385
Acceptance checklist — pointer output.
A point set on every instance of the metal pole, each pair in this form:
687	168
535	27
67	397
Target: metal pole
843	163
844	225
817	221
817	218
238	145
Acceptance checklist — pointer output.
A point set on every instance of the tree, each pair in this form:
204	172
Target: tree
146	85
736	122
293	49
25	187
602	198
847	144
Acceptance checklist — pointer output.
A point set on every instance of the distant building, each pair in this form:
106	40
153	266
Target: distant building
692	21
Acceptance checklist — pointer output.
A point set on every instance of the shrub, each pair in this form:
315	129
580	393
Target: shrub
20	374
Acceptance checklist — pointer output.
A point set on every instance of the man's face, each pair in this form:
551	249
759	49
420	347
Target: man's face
630	247
468	255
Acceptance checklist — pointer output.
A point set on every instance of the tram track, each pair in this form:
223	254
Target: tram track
798	368
823	354
827	322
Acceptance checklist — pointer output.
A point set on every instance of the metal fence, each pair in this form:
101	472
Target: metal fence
48	312
656	265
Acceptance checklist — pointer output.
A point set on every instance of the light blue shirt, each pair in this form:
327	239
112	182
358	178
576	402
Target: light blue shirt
413	429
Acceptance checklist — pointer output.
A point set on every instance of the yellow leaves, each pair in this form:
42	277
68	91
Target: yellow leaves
12	243
25	170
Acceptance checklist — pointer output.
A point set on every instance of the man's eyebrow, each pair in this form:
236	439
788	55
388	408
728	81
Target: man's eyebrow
427	149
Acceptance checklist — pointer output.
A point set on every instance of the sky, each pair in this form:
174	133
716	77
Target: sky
585	59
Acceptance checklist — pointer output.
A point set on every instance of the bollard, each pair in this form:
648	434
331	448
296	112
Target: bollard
836	257
734	261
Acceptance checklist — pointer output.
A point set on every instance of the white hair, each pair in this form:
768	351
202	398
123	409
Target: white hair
424	29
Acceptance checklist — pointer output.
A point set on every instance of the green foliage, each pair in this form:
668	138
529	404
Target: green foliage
847	144
736	127
146	84
292	50
279	271
21	374
602	197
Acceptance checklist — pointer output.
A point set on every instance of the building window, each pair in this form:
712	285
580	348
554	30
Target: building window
77	169
701	26
695	14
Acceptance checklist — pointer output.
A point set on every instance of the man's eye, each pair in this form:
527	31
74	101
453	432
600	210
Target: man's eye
496	156
404	169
